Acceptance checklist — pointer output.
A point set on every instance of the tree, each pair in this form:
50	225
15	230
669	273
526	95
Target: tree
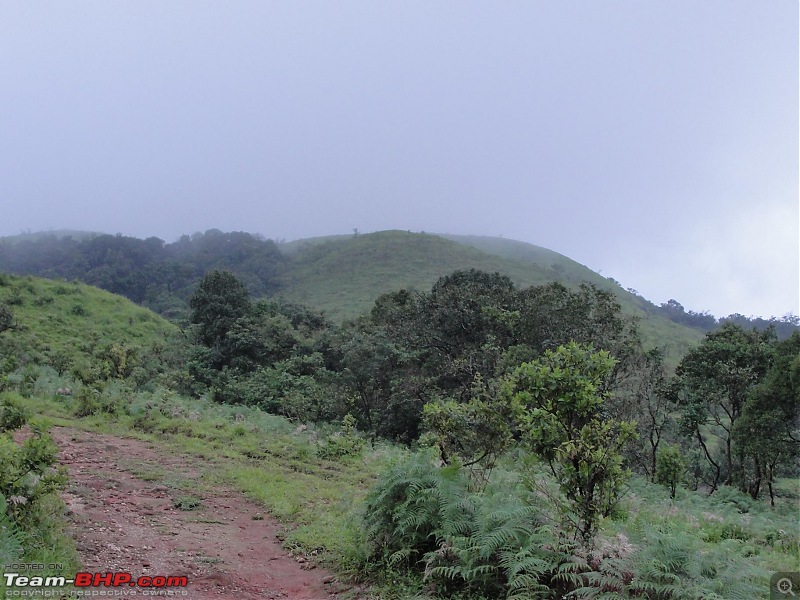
769	427
559	410
465	321
670	467
643	398
552	315
371	366
220	300
476	432
712	383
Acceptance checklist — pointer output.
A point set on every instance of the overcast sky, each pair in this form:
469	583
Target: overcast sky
654	141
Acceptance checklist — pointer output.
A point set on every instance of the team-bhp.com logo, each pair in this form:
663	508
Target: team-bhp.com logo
97	580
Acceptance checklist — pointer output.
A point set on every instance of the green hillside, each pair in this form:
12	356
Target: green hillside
343	275
69	326
567	269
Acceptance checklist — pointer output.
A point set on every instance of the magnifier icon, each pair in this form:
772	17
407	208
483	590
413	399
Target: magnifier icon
785	586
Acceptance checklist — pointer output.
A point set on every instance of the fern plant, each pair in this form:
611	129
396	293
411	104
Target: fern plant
404	511
674	565
10	537
487	544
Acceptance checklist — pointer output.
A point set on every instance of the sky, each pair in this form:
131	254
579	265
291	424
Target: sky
655	142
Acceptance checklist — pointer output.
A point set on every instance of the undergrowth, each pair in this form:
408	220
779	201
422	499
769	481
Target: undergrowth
394	518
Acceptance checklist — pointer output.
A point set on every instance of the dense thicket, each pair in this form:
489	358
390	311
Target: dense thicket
413	348
150	272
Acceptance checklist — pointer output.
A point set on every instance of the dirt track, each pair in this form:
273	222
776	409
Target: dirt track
122	501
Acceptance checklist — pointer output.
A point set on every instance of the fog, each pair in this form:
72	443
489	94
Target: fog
655	142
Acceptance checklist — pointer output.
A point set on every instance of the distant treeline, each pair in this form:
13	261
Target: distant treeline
162	276
706	322
150	272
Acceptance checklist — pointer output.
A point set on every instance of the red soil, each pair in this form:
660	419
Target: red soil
127	524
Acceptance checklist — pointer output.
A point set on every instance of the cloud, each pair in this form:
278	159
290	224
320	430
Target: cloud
745	260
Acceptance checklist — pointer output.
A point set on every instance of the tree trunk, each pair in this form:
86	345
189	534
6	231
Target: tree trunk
715	484
755	487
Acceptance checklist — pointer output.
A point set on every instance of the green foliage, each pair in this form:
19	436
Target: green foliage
675	565
27	476
13	414
768	429
6	318
405	509
476	432
160	276
220	300
120	339
344	275
11	537
186	503
489	544
470	329
712	384
641	397
558	408
344	443
670	468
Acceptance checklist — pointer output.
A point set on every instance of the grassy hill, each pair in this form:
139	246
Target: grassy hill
343	275
70	325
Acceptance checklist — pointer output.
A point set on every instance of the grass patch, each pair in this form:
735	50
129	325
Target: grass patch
187	503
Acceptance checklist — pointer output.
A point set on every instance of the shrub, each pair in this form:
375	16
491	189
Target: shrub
346	442
733	497
670	467
6	317
490	544
13	414
91	401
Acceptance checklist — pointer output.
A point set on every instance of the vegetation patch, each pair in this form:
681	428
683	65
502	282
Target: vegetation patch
477	440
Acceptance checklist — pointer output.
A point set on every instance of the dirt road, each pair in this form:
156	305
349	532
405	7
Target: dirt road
141	510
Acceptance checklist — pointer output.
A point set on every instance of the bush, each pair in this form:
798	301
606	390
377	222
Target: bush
26	472
733	497
346	442
6	317
670	468
91	401
489	544
13	414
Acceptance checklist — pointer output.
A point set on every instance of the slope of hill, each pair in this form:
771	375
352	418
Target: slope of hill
567	269
77	329
343	275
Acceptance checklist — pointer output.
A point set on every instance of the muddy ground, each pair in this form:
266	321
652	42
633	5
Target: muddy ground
139	509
